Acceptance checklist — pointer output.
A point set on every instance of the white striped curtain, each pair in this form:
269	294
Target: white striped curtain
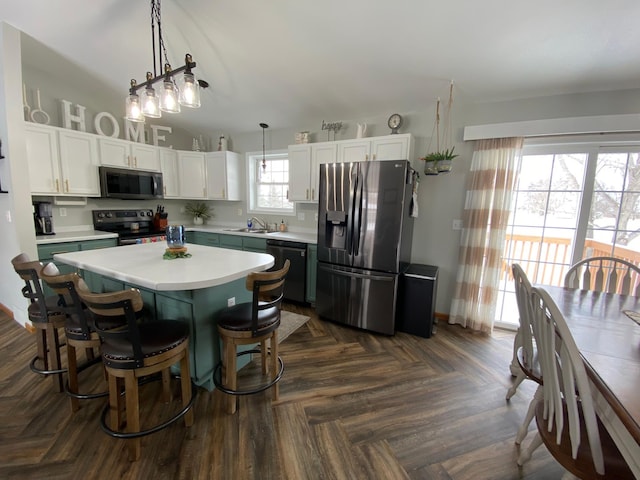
486	212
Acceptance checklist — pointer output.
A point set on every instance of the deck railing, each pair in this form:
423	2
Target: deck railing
547	261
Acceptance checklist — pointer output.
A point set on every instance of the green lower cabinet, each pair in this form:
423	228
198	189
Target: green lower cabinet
231	241
251	244
312	268
94	282
203	238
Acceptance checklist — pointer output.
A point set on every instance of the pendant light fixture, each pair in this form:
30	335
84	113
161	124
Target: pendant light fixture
172	96
264	126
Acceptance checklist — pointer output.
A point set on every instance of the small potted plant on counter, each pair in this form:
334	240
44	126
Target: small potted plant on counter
199	210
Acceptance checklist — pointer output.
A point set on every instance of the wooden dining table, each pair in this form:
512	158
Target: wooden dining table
609	342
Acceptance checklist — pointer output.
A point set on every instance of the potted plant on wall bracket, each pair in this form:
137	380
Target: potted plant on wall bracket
439	160
200	211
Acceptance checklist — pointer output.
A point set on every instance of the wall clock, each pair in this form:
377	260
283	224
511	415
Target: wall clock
394	122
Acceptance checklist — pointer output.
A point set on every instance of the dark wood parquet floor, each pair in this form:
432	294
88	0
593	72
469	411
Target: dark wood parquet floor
353	405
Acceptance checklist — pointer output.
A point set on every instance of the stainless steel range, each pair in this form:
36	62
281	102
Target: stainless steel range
132	226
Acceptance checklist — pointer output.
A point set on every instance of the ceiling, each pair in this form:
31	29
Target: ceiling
290	62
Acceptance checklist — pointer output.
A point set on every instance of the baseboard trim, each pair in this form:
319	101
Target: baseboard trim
442	316
9	313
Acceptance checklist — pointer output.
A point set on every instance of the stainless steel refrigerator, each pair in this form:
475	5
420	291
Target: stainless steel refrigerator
364	241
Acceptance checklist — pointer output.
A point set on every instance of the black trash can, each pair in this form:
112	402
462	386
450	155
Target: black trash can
417	300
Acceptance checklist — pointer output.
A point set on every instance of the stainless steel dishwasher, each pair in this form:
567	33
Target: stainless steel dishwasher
296	253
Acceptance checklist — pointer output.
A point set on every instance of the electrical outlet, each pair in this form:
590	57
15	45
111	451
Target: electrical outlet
239	212
457	224
301	216
8	216
63	212
231	301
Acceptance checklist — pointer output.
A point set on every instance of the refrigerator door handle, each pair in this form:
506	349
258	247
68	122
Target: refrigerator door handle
357	221
361	275
353	180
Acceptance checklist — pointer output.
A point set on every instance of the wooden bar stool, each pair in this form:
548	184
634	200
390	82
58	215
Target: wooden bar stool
47	316
132	353
79	330
249	323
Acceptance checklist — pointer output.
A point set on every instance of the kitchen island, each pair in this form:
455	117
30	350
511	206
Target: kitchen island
193	289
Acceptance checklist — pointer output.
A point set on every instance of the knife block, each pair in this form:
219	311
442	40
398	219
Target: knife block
160	223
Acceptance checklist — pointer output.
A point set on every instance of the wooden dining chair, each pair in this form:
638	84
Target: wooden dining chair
133	353
605	274
526	351
566	418
47	317
247	324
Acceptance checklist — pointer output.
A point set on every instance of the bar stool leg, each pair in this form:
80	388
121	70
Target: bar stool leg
53	344
133	413
274	363
231	381
72	363
166	382
185	382
114	402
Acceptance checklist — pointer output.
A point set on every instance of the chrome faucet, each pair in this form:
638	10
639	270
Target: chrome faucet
260	222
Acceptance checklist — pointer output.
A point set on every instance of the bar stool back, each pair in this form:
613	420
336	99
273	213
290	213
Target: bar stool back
134	351
249	323
79	330
46	315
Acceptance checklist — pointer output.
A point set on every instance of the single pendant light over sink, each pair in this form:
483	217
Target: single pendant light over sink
264	160
172	95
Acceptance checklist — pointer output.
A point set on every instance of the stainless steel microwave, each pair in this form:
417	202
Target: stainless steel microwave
130	184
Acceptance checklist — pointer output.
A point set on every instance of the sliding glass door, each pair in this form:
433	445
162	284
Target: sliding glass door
572	200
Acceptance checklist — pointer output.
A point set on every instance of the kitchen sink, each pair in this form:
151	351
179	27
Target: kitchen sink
249	230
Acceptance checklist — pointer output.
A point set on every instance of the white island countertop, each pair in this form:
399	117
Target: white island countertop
144	266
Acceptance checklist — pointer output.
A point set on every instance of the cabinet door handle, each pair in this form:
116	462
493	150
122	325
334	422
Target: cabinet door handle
129	160
135	161
57	185
374	156
366	157
223	193
287	194
164	189
66	184
313	194
306	195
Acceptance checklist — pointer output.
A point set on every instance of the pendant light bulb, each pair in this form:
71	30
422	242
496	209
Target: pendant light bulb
169	100
150	101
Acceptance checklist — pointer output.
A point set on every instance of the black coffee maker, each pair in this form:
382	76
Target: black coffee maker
42	216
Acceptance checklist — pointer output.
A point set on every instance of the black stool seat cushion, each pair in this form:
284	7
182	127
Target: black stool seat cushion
53	309
238	318
155	338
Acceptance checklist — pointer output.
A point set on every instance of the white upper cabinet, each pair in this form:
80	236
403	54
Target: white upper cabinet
192	175
62	161
392	147
125	154
388	147
223	175
354	150
305	159
299	173
304	165
170	175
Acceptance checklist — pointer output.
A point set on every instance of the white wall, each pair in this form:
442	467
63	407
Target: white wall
16	223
